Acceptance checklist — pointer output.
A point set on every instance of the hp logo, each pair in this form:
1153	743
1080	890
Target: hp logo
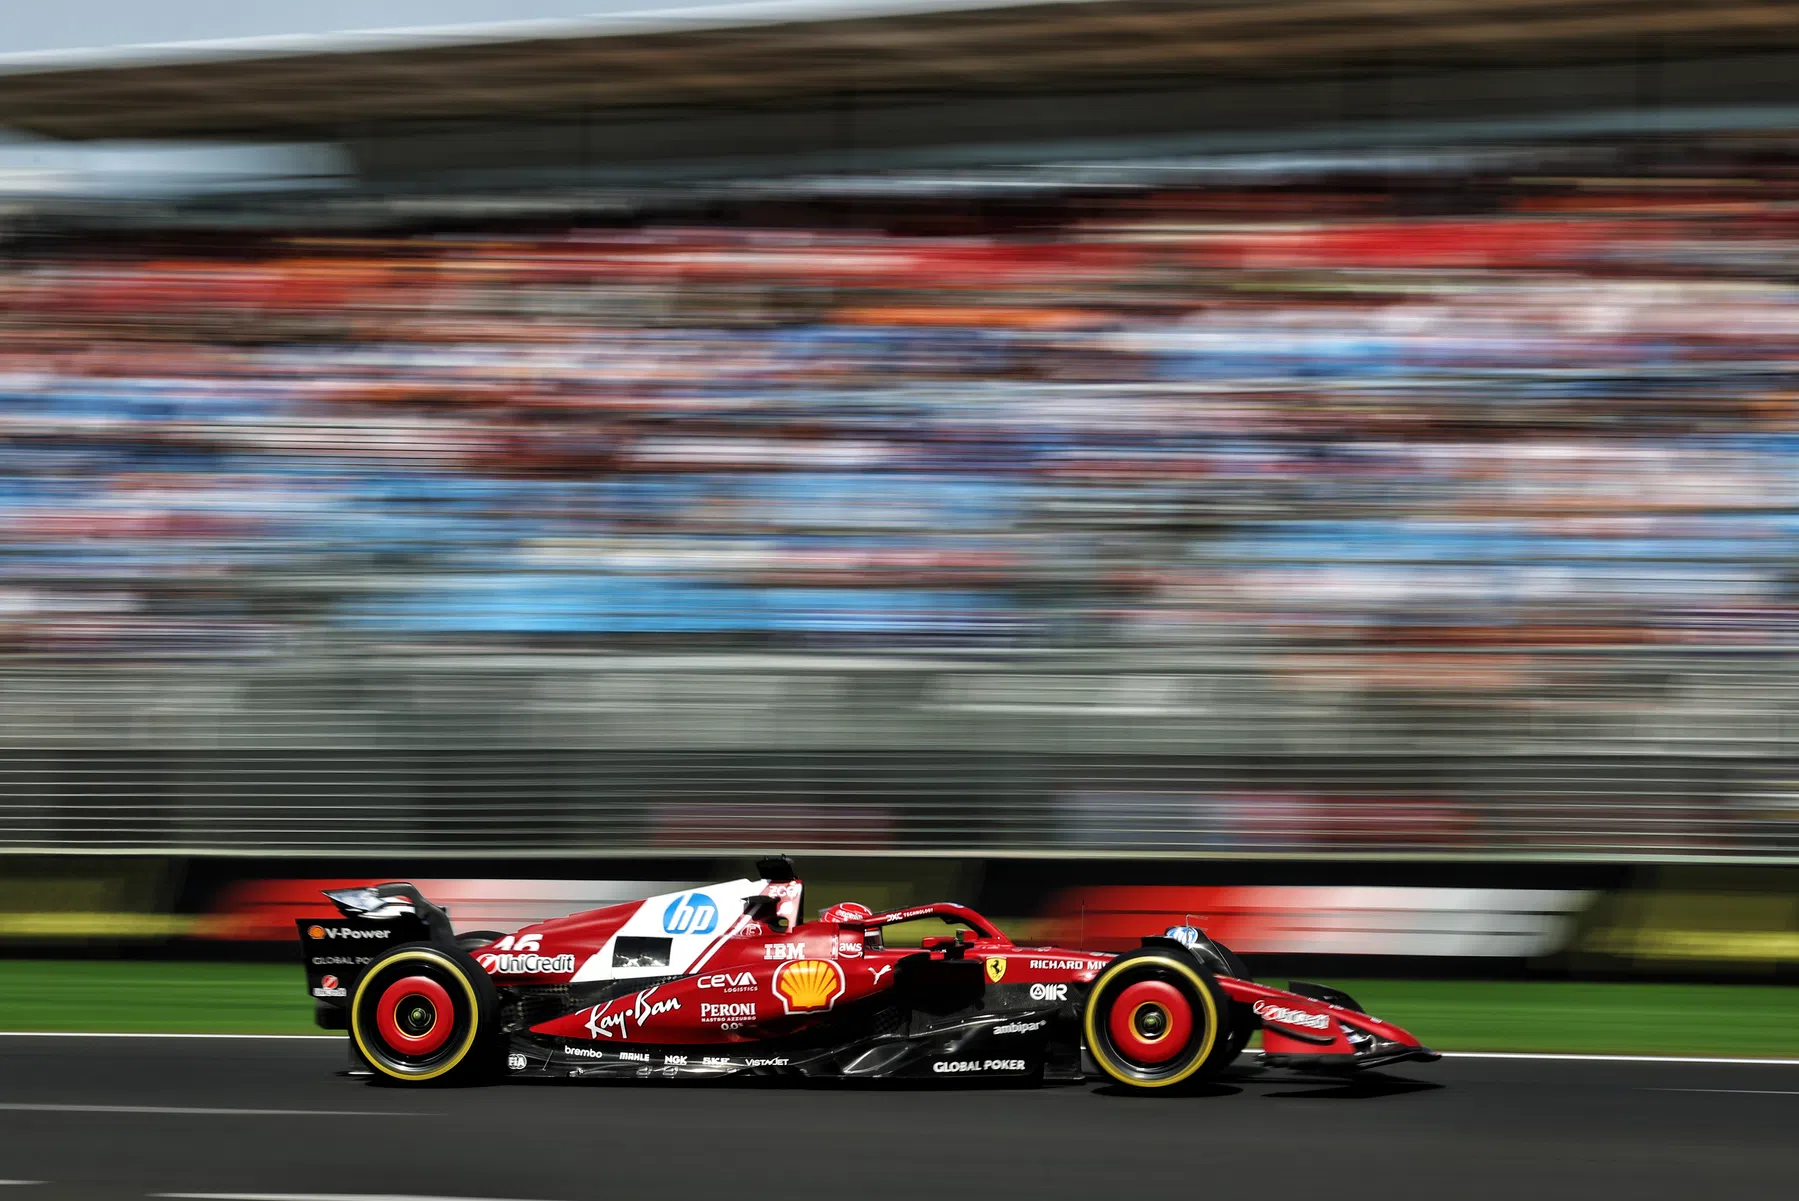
693	913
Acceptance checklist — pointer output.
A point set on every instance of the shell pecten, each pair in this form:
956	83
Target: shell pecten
808	984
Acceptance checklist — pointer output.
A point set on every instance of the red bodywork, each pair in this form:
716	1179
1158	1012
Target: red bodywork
752	983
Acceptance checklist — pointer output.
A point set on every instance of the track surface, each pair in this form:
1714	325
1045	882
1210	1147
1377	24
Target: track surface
90	1118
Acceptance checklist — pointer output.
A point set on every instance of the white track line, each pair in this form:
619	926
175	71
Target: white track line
4	1183
315	1197
209	1111
1696	1059
130	1034
1748	1092
1528	1055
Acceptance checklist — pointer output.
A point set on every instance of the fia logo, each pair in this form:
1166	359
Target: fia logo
691	913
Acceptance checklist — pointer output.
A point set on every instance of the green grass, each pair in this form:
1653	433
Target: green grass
125	995
1662	1019
1614	1018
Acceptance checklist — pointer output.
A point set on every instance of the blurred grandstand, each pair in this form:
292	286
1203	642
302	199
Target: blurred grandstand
1422	488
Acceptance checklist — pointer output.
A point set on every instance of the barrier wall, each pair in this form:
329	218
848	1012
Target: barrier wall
1415	918
1579	754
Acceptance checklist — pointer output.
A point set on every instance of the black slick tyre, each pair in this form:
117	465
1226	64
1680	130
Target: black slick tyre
1233	963
426	1014
1155	1019
1243	1018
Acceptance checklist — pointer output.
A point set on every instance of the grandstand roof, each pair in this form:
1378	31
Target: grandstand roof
739	54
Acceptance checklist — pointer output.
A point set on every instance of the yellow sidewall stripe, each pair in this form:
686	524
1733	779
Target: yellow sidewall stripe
1111	1066
474	1009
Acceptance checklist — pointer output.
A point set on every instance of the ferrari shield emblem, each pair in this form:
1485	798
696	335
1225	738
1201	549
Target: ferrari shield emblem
996	970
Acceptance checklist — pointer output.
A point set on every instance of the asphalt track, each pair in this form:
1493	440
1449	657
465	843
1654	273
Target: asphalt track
137	1117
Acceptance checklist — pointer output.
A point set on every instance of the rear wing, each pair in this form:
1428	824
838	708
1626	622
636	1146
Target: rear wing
370	920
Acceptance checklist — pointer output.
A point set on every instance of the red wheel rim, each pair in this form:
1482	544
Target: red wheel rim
1150	1021
415	1015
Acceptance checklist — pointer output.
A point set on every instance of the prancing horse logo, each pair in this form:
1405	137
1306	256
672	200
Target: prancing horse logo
996	969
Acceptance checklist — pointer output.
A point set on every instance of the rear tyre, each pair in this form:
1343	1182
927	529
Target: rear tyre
1155	1018
425	1014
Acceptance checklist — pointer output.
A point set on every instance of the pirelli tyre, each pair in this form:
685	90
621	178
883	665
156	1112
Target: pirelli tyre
1233	963
1243	1020
426	1014
1155	1018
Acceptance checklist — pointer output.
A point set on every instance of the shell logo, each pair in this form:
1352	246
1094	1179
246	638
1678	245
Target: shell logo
996	969
315	931
807	985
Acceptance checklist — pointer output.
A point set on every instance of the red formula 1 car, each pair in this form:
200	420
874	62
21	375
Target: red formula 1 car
727	979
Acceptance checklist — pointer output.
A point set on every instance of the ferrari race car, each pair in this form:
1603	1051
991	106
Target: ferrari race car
727	980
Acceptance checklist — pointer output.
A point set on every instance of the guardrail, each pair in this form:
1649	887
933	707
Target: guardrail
1582	753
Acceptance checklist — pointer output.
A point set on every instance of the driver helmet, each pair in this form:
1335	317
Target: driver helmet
848	911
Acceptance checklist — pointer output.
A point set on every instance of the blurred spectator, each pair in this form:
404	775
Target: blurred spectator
1291	415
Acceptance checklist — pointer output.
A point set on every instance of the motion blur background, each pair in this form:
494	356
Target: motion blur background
1330	467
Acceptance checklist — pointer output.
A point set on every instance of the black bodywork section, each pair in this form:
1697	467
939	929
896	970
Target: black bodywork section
370	920
942	1020
1325	993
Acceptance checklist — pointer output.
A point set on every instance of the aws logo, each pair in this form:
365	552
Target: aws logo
808	985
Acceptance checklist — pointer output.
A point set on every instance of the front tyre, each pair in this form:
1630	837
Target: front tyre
1155	1018
1242	1019
424	1013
